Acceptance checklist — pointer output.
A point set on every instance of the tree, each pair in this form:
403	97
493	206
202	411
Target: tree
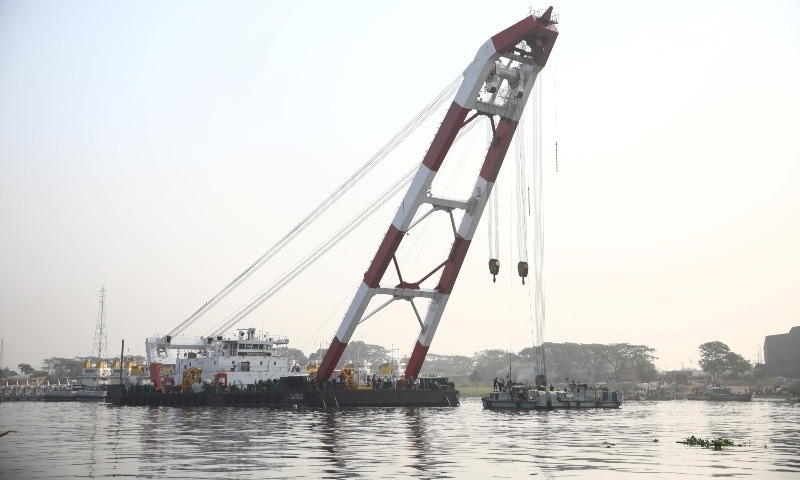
645	370
623	355
58	368
596	361
563	360
713	358
358	351
736	364
447	365
297	355
492	363
461	365
317	356
25	369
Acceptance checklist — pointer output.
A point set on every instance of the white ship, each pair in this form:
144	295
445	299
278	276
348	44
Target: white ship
93	381
237	361
97	376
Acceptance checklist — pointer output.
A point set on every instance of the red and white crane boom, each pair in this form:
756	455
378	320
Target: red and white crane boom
496	83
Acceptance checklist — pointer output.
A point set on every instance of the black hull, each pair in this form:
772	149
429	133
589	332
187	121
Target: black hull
288	398
58	399
729	398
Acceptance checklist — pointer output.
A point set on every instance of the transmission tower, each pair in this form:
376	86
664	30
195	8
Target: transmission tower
100	335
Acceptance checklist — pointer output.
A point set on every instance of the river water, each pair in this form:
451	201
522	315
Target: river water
78	440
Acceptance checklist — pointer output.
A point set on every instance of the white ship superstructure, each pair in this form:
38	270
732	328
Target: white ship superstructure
240	360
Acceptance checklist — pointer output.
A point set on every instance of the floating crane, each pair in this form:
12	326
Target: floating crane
496	84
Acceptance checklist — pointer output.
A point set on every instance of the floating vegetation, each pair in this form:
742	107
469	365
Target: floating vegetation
716	443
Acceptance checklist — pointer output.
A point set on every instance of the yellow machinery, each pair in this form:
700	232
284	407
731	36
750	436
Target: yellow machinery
191	376
347	379
350	379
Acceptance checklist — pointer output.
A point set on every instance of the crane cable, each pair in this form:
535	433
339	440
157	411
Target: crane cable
538	233
315	254
493	218
409	128
522	207
324	247
555	114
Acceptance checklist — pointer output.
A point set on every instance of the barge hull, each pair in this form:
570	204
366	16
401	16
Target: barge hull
326	398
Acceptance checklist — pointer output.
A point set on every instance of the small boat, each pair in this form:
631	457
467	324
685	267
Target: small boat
722	394
92	382
61	393
531	397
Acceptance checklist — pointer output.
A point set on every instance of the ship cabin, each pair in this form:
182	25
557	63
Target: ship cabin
246	358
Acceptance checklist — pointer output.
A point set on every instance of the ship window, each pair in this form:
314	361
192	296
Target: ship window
241	345
244	366
261	362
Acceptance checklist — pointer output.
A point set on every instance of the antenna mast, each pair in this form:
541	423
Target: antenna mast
100	334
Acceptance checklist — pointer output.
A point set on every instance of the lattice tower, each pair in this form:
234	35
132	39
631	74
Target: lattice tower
100	334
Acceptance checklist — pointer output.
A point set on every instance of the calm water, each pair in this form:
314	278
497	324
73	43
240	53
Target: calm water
76	440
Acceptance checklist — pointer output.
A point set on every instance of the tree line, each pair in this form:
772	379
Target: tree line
587	362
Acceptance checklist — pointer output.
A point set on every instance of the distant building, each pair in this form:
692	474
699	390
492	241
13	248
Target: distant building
782	353
23	380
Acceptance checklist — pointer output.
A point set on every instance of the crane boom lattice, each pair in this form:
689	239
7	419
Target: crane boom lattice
496	84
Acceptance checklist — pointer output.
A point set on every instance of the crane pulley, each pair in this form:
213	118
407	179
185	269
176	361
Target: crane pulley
522	269
494	268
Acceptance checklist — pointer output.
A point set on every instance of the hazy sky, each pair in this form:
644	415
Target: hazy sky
159	148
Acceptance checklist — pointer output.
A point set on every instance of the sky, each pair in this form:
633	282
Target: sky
159	148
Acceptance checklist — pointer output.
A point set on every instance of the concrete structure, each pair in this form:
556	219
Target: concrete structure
782	353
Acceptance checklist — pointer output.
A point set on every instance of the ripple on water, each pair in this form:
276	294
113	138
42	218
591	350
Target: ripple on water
77	440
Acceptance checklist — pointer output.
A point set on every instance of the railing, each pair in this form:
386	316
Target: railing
539	13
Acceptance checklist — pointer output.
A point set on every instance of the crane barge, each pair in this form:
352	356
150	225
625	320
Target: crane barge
496	84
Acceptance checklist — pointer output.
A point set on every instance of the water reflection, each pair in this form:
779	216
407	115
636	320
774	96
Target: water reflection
82	440
784	437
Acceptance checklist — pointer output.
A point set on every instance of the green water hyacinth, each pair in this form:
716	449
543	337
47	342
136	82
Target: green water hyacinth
717	443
